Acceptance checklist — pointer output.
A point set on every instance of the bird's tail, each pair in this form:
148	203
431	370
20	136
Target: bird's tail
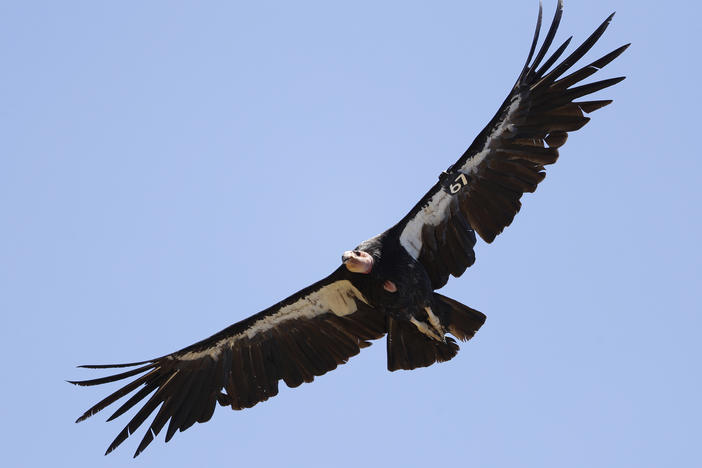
462	321
408	347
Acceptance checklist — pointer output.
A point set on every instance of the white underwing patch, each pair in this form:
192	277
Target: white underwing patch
439	205
432	213
338	298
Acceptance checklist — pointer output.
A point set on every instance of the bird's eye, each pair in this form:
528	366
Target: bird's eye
357	252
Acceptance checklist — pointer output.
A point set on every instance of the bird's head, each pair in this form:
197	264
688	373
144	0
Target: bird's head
357	261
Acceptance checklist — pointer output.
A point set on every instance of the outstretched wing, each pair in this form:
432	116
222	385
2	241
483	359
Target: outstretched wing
481	191
305	335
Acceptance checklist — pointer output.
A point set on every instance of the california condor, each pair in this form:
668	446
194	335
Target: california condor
387	284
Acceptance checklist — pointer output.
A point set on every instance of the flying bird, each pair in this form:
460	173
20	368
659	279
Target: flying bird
387	284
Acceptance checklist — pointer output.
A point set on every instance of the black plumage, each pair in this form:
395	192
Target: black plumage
387	284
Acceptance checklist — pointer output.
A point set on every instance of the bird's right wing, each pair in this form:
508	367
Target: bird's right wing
481	191
303	336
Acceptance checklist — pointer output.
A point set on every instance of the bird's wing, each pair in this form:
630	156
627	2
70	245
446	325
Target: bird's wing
305	335
481	191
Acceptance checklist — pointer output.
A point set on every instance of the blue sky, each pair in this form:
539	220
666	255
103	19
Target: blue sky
169	168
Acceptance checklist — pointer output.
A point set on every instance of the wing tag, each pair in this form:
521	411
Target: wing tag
452	184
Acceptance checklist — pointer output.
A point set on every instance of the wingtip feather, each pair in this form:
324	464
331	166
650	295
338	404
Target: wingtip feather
537	31
113	366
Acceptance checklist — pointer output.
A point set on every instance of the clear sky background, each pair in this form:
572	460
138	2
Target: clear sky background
169	168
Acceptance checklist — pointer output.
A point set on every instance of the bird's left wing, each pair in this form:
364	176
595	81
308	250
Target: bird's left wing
303	336
481	191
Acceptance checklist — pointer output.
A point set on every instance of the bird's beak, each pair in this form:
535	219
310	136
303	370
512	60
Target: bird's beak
346	256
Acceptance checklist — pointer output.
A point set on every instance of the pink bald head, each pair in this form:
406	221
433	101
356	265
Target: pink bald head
357	261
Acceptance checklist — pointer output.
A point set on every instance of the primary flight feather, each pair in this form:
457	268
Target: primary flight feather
386	285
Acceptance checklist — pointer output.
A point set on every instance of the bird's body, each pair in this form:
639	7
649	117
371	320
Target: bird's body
393	263
386	285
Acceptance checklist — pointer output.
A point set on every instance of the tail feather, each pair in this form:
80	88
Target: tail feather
409	348
462	321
